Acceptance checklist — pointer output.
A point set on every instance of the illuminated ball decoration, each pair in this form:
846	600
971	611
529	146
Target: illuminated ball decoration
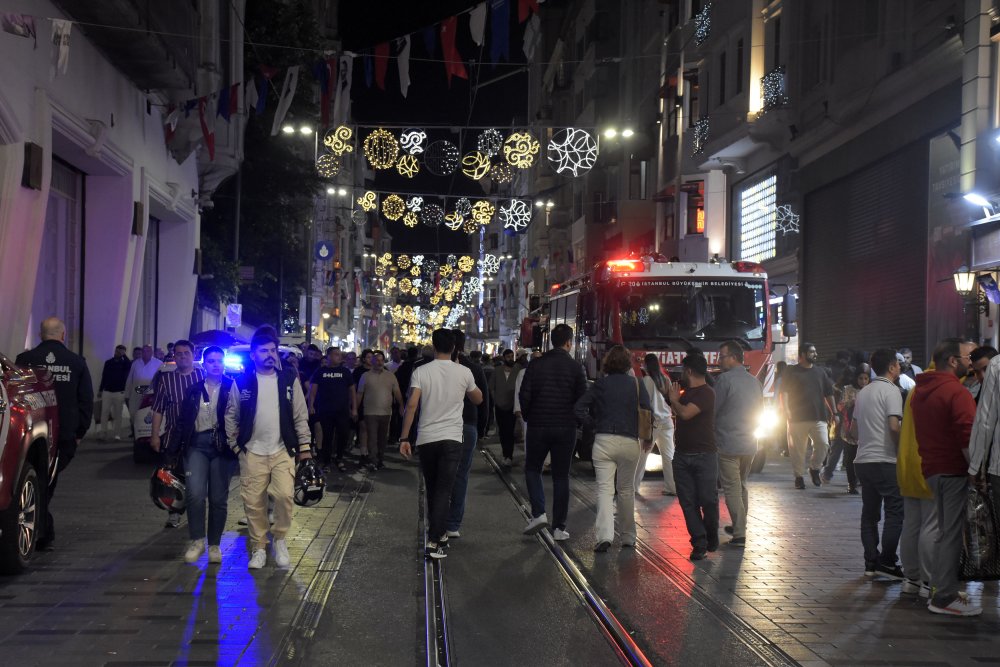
381	149
410	219
408	166
502	173
393	207
489	263
359	217
432	215
412	141
454	221
470	226
368	201
521	150
414	270
390	283
476	165
441	158
445	270
403	262
490	142
431	266
338	140
405	285
386	258
452	259
463	206
418	260
482	212
379	270
466	263
573	150
327	165
516	215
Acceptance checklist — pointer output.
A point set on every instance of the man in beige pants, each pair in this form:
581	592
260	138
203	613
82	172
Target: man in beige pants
807	396
267	424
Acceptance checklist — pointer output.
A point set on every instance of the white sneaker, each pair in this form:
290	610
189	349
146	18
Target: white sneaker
281	557
257	560
960	606
453	533
560	535
536	524
194	551
214	554
243	521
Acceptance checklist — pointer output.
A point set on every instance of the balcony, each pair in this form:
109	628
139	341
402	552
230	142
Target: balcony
774	90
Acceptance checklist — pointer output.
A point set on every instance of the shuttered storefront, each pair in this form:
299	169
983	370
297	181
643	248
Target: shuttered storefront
864	256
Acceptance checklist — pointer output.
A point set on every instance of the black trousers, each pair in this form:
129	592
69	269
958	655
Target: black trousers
505	426
67	450
439	463
335	425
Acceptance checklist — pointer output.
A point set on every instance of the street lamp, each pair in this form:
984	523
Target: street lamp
548	205
965	280
974	301
306	130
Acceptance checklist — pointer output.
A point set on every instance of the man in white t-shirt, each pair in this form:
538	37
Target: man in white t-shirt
438	388
878	413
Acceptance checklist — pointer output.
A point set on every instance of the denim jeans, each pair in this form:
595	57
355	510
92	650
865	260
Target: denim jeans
540	441
696	477
438	462
207	478
470	436
878	488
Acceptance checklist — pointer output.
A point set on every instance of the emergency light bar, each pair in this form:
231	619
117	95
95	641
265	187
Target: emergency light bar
625	265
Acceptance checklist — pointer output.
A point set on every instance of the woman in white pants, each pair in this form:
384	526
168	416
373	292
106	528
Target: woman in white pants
663	426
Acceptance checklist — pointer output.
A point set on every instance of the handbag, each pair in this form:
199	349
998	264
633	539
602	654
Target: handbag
645	417
980	559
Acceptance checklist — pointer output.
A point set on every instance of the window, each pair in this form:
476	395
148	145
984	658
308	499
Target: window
757	225
722	78
739	67
776	42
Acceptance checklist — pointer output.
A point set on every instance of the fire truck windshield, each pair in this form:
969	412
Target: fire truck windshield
692	308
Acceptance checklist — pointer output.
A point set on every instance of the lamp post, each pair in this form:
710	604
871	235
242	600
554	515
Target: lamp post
548	205
974	302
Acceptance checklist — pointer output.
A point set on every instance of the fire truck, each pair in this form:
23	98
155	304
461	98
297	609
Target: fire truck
654	305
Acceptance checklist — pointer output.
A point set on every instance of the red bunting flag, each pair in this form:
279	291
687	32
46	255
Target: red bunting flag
381	63
453	65
526	8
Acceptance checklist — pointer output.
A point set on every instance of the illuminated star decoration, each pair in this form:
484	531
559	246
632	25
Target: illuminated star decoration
516	216
453	221
337	140
572	150
476	165
520	150
490	142
393	207
327	165
786	220
407	166
482	212
368	201
381	149
410	219
463	206
442	158
489	264
413	141
414	204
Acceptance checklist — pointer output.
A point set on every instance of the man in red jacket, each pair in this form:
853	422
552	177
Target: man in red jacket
943	412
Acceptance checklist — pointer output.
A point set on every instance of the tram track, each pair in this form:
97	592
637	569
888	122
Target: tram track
437	637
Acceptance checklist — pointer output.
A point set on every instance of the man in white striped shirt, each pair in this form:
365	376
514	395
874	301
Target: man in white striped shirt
984	462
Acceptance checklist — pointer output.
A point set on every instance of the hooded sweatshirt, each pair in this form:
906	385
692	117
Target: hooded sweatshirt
943	412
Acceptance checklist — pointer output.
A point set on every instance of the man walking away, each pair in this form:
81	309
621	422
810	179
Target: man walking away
878	413
75	395
332	399
143	370
378	393
696	463
475	417
808	400
438	388
550	388
943	413
267	424
111	393
502	387
739	399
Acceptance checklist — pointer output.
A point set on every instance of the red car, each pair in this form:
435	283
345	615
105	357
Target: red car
29	423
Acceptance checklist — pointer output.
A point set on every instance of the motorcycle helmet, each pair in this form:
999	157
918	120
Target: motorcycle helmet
309	483
167	490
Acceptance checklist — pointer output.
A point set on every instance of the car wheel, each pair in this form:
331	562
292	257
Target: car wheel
20	523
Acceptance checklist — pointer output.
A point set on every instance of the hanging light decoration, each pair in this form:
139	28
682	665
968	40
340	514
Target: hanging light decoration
482	212
403	261
466	263
521	150
431	266
338	140
463	206
502	173
381	149
359	217
516	215
454	221
414	270
470	226
410	219
476	165
405	286
408	166
393	207
327	165
489	263
490	142
432	215
442	158
414	203
572	149
412	141
368	201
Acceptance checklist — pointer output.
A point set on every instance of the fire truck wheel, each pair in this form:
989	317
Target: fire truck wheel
759	459
20	523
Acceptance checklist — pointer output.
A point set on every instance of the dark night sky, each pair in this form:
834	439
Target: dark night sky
430	101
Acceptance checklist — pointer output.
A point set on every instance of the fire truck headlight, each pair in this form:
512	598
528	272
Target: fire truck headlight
767	420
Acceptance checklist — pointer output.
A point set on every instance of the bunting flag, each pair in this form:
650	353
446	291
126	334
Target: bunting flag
22	25
60	42
477	23
499	30
369	69
170	122
207	119
250	95
403	61
430	40
328	78
261	96
453	65
526	8
381	63
342	102
285	100
532	33
229	101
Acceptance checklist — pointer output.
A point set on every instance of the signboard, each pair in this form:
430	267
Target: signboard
324	251
246	274
234	315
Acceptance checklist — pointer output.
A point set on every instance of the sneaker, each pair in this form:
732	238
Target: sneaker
853	490
270	518
173	520
453	533
508	462
698	554
243	521
799	483
281	558
729	530
434	551
118	438
870	569
602	546
889	571
827	479
958	607
925	590
713	546
214	554
257	559
668	493
194	551
911	587
443	540
560	535
815	477
738	542
536	524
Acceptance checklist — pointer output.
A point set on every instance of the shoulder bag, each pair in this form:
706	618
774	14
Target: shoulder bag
645	417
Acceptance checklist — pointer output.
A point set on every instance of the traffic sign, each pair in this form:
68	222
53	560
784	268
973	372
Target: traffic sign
324	251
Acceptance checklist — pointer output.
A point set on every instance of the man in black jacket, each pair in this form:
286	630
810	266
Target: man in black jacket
549	391
474	421
75	394
111	393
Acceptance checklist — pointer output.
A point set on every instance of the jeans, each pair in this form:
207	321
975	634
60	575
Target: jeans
335	425
878	488
733	471
378	436
262	477
613	453
540	441
916	544
663	438
505	427
696	477
950	494
799	435
470	436
849	451
208	472
438	462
